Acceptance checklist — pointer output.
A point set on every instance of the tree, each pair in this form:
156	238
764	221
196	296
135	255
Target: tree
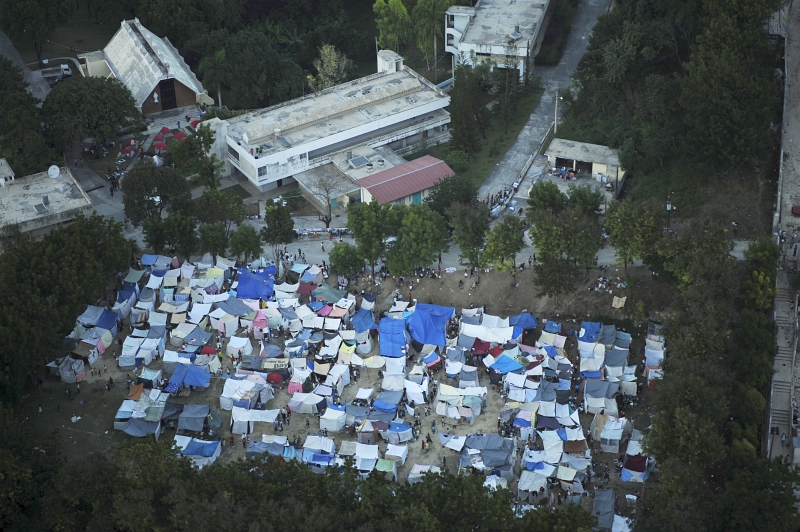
246	241
469	117
503	243
33	20
428	16
589	199
393	23
219	206
279	230
327	187
370	224
570	235
149	190
213	239
759	291
506	85
344	260
88	107
215	70
193	156
451	190
555	276
634	229
181	230
332	68
546	196
155	235
470	225
421	237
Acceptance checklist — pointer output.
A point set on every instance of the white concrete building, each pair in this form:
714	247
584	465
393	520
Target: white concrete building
495	29
396	107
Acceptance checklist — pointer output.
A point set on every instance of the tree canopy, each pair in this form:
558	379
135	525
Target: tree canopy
220	206
503	243
332	67
470	226
421	236
33	21
84	107
344	260
371	224
150	190
279	228
245	241
449	191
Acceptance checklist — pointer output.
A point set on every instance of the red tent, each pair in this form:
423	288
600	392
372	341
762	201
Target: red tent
165	130
194	123
208	350
480	348
159	137
180	135
496	351
305	289
160	146
127	150
274	378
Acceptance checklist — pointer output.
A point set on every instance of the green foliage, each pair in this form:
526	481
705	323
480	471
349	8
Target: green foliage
216	72
293	198
634	229
192	156
371	224
421	237
88	107
279	228
427	19
155	235
587	198
219	206
393	23
332	68
545	196
344	260
759	291
246	241
457	160
503	243
555	276
571	235
181	230
213	239
762	255
41	309
181	19
470	226
450	191
148	191
469	117
33	21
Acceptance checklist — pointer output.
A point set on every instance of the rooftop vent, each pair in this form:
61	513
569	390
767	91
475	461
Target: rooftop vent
516	35
39	208
369	167
45	200
359	161
380	163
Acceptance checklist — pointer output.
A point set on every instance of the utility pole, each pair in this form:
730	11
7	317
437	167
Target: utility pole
670	208
555	121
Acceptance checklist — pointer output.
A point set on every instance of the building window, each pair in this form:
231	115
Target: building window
262	171
233	153
451	19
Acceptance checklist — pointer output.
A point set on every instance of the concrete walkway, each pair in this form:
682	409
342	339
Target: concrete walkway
39	87
553	79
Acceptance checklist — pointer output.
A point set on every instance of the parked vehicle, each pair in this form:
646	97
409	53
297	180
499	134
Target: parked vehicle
57	73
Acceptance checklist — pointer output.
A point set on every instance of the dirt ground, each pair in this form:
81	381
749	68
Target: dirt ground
96	406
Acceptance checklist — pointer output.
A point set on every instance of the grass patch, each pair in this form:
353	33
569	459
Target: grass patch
484	162
561	13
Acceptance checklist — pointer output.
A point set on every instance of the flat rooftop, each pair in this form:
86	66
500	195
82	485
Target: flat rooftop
495	21
582	151
333	110
19	199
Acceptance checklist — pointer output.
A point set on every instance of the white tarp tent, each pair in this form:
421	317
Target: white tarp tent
332	420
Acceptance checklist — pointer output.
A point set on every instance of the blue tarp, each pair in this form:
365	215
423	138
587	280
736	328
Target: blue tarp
428	323
299	268
308	277
254	286
197	448
520	322
552	327
190	375
431	358
506	365
519	422
234	307
108	320
399	427
362	321
551	351
316	305
149	260
392	337
124	295
383	406
591	330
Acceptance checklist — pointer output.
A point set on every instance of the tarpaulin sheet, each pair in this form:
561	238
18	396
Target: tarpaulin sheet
133	276
590	331
362	321
428	323
392	337
505	365
552	327
252	287
523	321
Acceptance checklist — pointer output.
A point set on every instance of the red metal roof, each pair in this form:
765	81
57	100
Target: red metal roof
401	181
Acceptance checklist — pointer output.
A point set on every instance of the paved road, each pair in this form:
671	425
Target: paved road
39	87
553	79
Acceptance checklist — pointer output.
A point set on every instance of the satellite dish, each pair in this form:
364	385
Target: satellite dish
53	172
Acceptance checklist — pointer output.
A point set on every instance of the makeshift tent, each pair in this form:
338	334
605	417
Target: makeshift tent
238	344
332	420
188	375
308	403
603	508
193	417
398	453
255	285
201	452
363	321
140	427
418	472
392	337
397	433
428	323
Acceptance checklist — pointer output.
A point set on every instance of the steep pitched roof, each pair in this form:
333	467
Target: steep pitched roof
140	59
409	178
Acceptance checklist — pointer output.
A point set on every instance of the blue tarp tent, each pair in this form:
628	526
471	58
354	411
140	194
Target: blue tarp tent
428	323
149	260
506	365
362	321
197	448
108	320
591	330
392	337
252	286
523	321
383	406
552	327
190	375
300	268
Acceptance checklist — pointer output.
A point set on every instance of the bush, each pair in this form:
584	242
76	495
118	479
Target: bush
458	160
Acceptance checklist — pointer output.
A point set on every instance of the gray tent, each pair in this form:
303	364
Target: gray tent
140	428
193	417
603	508
608	334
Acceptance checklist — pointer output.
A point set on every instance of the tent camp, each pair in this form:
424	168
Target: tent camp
238	344
201	452
428	323
418	472
393	338
193	417
332	420
308	403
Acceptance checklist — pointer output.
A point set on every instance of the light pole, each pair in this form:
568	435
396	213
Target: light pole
670	208
555	121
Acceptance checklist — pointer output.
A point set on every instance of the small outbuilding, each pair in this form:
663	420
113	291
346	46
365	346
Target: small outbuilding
590	158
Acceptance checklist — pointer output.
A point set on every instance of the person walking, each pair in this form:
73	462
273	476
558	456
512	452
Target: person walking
783	438
111	189
323	247
308	422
